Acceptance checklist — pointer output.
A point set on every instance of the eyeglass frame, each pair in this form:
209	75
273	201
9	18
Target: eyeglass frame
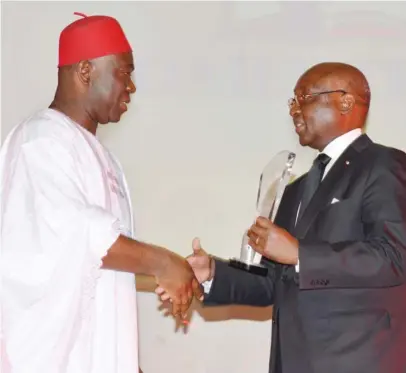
292	101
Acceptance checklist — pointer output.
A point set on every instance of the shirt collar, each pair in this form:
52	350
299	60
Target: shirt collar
336	147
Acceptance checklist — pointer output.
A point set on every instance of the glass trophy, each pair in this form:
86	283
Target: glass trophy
272	183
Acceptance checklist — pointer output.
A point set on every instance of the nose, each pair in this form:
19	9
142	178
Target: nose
131	87
294	110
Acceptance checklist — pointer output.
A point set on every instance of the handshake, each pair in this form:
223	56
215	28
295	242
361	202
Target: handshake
182	282
182	278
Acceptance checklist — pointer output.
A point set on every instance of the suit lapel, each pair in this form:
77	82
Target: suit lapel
326	189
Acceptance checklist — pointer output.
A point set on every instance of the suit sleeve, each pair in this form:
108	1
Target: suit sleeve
380	259
233	286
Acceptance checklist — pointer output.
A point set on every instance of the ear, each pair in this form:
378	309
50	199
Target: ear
347	102
84	70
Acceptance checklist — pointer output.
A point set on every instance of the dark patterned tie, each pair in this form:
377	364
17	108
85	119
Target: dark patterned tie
312	181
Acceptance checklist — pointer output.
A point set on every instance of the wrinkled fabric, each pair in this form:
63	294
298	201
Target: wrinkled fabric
64	202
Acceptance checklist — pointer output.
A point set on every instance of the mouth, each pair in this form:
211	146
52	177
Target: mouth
123	105
300	127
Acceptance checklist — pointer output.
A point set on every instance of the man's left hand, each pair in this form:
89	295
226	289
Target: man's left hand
273	242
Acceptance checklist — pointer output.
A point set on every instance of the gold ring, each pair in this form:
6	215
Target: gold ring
257	241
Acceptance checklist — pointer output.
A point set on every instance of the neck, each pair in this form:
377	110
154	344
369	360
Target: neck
75	110
332	138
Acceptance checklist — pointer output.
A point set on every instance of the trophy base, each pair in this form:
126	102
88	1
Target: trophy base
256	269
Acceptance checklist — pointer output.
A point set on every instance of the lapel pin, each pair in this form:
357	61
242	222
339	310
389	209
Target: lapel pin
347	162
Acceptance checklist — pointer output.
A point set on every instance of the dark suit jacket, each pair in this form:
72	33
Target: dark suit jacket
345	312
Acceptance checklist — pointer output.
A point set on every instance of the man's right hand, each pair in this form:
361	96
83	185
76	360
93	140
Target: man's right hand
172	272
179	283
202	265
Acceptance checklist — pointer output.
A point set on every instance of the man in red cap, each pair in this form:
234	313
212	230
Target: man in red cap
68	249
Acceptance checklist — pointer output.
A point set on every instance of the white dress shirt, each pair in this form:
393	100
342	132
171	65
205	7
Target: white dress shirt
338	146
334	150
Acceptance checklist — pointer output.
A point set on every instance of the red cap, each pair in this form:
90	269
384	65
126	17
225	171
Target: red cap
91	37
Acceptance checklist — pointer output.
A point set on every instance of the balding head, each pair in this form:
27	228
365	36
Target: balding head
330	99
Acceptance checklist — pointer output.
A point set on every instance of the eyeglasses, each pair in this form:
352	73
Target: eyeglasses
303	99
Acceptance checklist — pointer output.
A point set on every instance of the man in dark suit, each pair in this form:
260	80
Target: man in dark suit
337	250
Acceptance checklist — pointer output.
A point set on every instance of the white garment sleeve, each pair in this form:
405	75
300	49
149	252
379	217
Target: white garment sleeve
53	241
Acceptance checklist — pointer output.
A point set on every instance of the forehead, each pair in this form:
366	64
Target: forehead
311	82
319	79
125	60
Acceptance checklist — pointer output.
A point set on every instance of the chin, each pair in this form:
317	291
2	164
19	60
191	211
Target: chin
303	141
103	120
115	118
306	141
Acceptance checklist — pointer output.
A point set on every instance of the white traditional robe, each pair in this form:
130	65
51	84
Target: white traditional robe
64	202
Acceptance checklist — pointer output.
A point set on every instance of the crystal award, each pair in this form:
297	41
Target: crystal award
272	183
